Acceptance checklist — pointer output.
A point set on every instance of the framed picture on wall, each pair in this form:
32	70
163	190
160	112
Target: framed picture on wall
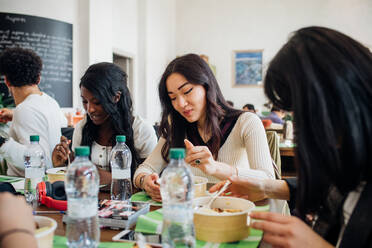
247	68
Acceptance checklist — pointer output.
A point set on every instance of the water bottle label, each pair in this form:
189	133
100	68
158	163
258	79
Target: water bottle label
78	209
120	174
34	172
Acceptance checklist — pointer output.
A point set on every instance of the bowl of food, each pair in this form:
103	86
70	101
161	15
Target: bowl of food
226	221
200	186
56	174
44	233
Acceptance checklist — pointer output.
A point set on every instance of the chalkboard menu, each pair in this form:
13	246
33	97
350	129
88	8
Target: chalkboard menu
52	41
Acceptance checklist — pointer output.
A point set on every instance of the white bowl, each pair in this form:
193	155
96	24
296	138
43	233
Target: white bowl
45	237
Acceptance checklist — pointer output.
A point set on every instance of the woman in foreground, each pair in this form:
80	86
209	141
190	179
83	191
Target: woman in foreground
325	78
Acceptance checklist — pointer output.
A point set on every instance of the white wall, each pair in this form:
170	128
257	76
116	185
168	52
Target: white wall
154	32
159	50
142	30
217	27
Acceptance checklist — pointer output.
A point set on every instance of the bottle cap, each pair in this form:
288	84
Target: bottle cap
121	138
82	151
34	138
177	153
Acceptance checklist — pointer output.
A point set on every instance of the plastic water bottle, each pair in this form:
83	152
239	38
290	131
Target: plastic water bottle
81	186
177	192
34	161
120	162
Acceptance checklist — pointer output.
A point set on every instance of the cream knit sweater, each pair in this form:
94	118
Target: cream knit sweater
246	148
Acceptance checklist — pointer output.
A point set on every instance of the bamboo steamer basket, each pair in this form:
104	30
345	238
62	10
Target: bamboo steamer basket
222	227
54	174
200	186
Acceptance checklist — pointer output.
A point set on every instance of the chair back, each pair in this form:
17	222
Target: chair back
273	140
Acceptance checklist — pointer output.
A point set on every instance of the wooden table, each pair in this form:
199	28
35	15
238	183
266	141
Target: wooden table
287	151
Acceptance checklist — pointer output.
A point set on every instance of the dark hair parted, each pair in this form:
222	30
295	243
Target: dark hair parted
173	126
104	81
20	66
325	77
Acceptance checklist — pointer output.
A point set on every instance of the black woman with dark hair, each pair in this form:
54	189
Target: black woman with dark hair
220	141
325	78
107	101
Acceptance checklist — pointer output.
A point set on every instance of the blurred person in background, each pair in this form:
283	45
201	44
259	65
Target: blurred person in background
249	107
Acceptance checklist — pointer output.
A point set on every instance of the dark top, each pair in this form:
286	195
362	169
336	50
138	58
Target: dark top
358	231
292	184
226	125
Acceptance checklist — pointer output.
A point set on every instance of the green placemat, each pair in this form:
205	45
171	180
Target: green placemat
143	197
9	179
60	242
152	223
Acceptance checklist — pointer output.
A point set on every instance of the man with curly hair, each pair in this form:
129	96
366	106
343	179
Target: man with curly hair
35	111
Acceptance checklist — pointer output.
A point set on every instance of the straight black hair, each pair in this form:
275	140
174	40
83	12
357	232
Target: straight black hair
173	126
325	77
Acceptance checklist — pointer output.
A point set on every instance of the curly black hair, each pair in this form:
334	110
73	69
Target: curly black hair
20	66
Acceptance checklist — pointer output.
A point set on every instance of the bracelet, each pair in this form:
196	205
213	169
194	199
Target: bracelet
12	231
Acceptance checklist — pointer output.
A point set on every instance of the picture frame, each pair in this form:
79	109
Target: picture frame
247	68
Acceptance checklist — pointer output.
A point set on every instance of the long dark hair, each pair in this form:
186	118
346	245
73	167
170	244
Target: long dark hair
104	81
325	77
173	126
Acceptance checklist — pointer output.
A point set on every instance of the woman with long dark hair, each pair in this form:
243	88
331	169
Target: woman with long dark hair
325	78
220	141
108	104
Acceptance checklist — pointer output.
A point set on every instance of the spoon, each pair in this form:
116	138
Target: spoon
214	196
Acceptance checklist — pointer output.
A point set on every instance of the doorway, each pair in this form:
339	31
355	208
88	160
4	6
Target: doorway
126	64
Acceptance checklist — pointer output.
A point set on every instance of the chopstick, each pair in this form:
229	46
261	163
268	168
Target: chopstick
48	212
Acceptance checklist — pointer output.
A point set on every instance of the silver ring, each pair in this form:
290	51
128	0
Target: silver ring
197	161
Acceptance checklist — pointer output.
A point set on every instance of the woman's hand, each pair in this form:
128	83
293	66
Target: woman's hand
252	189
200	157
151	186
286	231
61	152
